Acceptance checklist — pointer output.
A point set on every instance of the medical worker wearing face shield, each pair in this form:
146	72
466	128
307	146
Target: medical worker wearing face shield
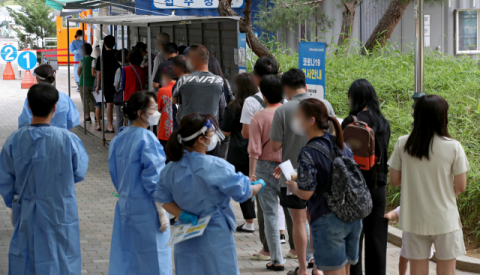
39	166
135	160
203	185
66	113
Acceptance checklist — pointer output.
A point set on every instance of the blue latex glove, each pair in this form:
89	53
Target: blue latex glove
188	218
262	182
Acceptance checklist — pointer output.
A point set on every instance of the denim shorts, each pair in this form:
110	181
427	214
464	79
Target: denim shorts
335	242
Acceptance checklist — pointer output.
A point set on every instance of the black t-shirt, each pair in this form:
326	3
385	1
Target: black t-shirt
382	138
166	63
238	147
110	66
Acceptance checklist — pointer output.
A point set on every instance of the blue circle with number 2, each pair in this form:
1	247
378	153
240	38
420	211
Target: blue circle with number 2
27	60
9	53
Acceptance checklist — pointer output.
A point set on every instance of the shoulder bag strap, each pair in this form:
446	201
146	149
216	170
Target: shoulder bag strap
138	76
260	101
319	147
233	224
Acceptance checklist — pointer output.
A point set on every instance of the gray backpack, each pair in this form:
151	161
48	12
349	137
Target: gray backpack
348	198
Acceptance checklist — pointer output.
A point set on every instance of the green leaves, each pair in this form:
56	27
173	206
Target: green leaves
35	17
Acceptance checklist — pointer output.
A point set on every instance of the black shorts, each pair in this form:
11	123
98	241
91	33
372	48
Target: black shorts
292	201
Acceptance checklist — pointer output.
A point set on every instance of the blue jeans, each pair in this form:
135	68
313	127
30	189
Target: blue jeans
335	242
268	200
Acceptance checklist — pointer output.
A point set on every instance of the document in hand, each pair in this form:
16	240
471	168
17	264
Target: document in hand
287	170
98	97
182	232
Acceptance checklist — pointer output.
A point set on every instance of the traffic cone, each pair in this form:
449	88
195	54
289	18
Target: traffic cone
27	80
8	73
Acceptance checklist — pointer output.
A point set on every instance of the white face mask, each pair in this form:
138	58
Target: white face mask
213	142
189	65
296	126
153	119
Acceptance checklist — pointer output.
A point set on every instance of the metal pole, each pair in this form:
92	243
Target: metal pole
102	85
419	47
83	86
220	46
123	64
188	35
149	49
68	56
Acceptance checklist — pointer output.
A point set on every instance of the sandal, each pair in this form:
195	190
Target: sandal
260	257
310	265
109	131
294	272
273	267
99	128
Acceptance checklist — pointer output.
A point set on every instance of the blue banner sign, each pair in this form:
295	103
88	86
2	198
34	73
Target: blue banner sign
311	60
242	53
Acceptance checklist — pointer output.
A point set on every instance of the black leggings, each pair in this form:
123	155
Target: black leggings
248	207
375	233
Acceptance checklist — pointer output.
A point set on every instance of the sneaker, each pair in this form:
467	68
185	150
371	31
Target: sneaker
282	238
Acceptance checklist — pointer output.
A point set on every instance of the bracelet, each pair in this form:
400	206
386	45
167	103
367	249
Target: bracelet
253	176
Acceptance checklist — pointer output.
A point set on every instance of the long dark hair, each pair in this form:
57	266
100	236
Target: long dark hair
315	108
244	88
361	95
137	101
430	117
189	125
215	68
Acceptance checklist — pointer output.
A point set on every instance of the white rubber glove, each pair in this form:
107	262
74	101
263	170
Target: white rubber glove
162	217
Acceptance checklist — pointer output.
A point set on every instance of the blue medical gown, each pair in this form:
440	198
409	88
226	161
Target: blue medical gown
75	49
66	115
135	160
49	160
214	252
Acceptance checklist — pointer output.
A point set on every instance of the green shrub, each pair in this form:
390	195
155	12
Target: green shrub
392	74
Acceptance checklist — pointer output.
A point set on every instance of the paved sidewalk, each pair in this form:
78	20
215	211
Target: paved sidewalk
96	203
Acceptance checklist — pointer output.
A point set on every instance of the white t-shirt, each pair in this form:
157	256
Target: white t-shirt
429	205
250	107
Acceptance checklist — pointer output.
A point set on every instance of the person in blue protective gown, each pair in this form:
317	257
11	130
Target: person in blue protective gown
203	185
135	160
66	113
75	49
39	166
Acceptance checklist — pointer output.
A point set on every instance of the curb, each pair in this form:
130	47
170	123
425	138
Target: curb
464	263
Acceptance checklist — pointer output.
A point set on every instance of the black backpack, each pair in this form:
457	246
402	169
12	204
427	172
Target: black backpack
348	197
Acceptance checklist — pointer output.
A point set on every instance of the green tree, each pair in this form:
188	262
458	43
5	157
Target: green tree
36	17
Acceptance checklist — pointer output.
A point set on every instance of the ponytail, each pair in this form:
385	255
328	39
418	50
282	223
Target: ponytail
189	125
315	108
50	79
338	132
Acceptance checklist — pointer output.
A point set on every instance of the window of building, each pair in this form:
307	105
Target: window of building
467	31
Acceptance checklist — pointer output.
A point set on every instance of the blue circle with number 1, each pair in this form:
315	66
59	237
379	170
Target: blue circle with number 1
27	60
9	53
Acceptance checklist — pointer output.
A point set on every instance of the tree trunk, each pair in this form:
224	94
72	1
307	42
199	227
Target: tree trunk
347	23
225	9
386	25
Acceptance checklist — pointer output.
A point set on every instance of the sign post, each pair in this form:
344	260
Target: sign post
311	60
9	54
27	61
241	53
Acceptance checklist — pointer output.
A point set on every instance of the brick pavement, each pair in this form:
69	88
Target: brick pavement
96	204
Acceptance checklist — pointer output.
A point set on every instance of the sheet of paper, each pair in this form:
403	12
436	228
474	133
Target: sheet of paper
182	232
98	98
287	170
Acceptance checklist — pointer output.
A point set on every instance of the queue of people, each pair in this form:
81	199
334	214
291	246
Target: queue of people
333	205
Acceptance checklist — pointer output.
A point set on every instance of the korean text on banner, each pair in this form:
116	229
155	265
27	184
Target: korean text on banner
311	60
